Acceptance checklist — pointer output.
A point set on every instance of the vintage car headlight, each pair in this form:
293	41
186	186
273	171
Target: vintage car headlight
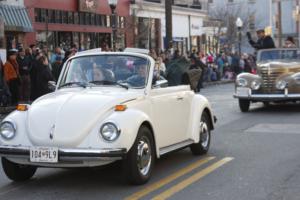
255	85
242	82
110	131
281	85
7	130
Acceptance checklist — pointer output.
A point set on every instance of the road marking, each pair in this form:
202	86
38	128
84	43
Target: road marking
180	186
168	179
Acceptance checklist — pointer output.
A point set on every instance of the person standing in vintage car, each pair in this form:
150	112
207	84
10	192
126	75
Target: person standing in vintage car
264	41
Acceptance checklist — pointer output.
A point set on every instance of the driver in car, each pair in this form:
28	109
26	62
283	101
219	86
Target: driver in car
139	79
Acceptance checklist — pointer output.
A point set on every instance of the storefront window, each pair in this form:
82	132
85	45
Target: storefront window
64	17
82	18
87	19
93	19
70	18
76	18
51	16
107	21
58	17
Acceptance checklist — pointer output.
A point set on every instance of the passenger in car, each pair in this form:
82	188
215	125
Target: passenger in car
139	79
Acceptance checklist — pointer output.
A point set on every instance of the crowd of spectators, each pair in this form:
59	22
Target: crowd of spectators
25	75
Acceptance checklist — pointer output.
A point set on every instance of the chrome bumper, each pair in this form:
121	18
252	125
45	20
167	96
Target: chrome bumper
67	154
248	95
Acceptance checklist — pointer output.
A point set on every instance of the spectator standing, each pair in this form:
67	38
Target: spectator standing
57	53
4	91
24	63
56	67
12	75
44	75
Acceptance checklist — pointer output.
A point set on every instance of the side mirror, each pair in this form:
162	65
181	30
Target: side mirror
161	83
52	85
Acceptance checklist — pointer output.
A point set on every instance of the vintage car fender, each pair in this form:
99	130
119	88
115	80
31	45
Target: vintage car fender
248	77
129	122
200	104
19	119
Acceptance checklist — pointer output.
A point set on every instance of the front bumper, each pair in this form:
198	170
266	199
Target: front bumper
65	155
247	94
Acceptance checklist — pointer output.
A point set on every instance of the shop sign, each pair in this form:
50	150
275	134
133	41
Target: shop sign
87	5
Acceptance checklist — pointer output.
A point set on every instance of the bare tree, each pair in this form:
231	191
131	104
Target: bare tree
227	15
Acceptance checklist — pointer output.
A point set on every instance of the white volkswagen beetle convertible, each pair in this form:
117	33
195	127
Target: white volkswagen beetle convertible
106	107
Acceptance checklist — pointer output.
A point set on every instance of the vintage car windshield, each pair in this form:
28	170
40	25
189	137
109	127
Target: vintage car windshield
279	54
113	70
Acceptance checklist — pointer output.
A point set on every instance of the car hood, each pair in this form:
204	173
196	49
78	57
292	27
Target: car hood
66	117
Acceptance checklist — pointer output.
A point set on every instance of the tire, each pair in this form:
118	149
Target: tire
202	146
17	172
244	105
136	171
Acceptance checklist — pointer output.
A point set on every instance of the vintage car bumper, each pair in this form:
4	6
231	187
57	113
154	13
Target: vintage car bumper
65	155
248	94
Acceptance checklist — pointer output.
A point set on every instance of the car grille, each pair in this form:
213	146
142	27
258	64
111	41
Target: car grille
269	77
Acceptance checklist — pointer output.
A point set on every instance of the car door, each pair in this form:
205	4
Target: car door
169	115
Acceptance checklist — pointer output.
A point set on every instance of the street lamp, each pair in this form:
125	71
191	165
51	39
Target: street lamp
239	24
113	6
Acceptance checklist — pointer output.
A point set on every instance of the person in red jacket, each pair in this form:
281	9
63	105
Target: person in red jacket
11	75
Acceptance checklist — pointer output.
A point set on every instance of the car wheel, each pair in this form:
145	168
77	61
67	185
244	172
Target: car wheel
140	159
244	105
202	146
17	172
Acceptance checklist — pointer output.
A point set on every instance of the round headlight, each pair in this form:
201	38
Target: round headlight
110	132
242	82
255	85
7	130
281	85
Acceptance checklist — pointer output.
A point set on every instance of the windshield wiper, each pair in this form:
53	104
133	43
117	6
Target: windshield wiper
81	84
105	82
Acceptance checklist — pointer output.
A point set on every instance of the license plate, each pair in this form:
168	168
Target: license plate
44	154
241	91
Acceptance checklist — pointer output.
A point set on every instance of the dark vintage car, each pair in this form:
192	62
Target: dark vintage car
277	79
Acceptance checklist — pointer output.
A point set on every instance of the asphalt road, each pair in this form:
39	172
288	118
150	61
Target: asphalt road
253	156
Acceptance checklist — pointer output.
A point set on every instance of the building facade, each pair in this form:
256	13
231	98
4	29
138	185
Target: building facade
148	22
14	24
86	24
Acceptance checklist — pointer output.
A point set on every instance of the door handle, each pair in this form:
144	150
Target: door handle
180	98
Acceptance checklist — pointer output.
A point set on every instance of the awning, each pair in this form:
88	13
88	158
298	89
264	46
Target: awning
15	18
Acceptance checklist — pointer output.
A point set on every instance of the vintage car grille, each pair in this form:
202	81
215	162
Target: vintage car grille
269	77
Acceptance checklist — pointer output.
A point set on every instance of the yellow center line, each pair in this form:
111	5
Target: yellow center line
168	179
180	186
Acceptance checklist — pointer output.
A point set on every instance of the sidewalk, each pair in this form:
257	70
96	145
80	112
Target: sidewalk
217	82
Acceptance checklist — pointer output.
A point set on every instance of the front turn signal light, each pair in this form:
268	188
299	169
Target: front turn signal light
22	107
120	108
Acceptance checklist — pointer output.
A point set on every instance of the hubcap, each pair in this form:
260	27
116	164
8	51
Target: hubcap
144	156
204	134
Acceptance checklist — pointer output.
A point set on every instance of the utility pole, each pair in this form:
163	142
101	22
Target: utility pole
169	27
279	24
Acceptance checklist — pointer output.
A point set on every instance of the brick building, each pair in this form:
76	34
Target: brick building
84	23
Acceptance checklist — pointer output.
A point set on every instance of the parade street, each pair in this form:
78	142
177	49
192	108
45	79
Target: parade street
253	156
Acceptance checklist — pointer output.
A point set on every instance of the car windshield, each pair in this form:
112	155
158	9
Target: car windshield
99	70
279	54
